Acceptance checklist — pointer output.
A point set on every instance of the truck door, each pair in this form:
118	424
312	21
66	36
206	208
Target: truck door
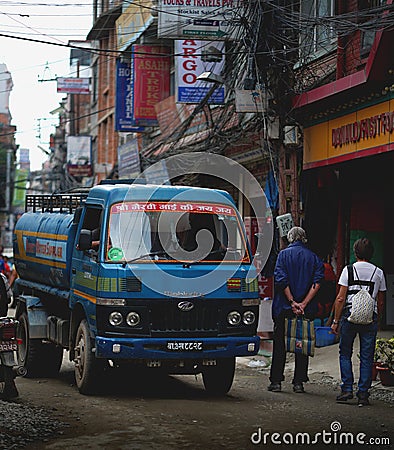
85	269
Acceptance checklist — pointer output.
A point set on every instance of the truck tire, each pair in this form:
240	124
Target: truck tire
88	369
219	379
40	359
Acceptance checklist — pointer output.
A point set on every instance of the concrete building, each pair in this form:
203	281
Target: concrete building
7	156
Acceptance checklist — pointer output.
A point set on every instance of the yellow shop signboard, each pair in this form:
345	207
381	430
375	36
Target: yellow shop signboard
360	133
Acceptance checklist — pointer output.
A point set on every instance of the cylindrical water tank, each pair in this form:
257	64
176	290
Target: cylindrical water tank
43	245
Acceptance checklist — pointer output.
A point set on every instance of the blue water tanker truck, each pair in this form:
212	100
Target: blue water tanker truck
125	274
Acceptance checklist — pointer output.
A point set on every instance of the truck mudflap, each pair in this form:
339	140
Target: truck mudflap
168	348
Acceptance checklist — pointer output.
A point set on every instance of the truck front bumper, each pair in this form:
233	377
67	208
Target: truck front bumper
168	348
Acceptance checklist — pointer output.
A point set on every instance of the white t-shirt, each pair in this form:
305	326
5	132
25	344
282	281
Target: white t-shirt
364	272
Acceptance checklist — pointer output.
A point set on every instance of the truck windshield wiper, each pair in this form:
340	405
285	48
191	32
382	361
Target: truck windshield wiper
145	255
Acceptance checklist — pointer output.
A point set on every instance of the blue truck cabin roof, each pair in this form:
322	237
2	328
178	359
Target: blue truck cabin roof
112	193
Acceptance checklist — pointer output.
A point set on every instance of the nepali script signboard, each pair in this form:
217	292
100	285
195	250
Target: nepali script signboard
79	156
200	19
73	85
151	81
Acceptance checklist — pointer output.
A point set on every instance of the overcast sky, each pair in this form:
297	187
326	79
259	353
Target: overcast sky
31	99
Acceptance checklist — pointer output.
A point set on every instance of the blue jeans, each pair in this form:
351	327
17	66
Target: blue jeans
367	336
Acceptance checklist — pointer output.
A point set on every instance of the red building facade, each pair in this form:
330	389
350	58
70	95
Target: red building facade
348	153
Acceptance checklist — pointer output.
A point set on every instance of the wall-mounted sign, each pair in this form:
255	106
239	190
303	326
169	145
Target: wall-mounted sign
124	101
250	100
129	159
361	133
285	224
157	173
199	19
73	85
151	81
20	183
192	59
79	159
366	128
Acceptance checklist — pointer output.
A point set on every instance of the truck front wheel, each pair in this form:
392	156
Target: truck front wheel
87	367
219	379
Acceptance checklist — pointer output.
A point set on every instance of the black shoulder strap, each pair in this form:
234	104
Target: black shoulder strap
350	276
350	280
373	273
357	282
372	283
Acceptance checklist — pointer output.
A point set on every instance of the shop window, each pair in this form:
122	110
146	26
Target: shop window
367	38
95	82
287	161
288	204
369	10
288	183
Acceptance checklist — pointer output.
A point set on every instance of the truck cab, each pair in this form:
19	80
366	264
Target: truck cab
158	276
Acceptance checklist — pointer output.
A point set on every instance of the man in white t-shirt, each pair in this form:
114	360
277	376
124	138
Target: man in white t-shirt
364	275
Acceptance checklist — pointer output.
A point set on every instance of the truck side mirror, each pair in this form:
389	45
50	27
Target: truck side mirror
85	240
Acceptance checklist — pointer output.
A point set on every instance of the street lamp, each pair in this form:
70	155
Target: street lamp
208	77
211	77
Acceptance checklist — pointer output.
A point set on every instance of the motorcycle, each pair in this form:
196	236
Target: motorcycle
9	368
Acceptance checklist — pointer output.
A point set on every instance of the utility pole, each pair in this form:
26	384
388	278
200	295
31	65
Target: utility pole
9	221
77	104
8	181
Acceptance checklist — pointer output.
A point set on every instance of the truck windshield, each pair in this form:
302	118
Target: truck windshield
176	231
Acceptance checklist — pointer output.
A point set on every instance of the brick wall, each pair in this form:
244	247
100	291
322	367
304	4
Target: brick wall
352	52
350	45
107	137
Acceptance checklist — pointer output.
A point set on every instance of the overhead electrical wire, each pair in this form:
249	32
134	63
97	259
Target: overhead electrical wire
287	46
292	19
64	120
290	22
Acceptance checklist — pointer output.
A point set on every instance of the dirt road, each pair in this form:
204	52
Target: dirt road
151	412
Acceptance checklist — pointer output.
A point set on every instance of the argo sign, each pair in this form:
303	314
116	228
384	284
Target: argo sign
192	58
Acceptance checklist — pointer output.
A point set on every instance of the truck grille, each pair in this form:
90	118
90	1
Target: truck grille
130	284
202	319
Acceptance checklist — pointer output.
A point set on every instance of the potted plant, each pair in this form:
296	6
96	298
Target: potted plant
384	355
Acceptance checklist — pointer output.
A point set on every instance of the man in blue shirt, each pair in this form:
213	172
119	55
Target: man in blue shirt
298	274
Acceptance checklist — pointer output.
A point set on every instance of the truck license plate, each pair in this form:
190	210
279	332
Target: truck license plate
184	346
8	346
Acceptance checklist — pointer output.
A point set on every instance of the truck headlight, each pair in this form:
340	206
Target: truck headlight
248	317
234	318
133	319
115	318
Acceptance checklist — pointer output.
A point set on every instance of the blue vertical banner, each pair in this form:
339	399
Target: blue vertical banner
124	101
